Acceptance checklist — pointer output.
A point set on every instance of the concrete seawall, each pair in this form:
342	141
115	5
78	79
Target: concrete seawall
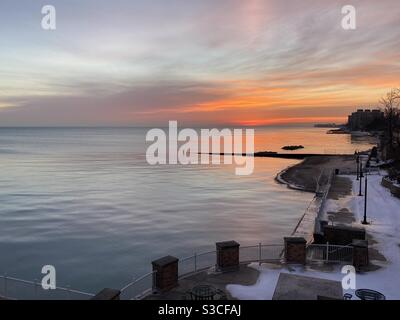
314	175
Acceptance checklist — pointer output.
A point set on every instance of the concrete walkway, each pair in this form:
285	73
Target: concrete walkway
296	287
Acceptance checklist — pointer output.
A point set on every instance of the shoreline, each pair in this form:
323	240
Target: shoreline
304	176
281	180
313	175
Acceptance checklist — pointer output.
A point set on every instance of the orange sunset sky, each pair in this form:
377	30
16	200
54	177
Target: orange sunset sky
225	62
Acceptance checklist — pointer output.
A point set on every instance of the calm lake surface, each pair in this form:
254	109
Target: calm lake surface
86	201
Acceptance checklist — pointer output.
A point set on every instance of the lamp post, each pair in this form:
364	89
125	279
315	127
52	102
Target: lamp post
358	165
361	176
365	197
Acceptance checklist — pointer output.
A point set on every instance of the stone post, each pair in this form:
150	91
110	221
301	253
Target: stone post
227	256
295	250
107	294
165	276
360	253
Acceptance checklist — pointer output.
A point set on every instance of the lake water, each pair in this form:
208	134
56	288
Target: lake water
86	201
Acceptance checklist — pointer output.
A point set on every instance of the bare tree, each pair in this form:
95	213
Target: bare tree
390	104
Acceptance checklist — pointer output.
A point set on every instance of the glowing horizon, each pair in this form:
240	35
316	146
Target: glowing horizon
252	63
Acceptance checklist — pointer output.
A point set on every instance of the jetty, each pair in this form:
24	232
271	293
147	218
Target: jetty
271	154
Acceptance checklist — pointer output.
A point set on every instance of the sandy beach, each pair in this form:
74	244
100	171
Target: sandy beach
305	175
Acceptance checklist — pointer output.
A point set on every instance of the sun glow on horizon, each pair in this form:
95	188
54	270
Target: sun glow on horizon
299	120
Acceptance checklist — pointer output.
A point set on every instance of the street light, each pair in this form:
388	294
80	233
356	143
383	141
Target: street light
365	197
361	176
358	164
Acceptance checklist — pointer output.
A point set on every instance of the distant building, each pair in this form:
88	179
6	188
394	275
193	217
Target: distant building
361	119
325	125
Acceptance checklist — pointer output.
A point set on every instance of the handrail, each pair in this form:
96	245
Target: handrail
259	258
204	253
36	284
339	246
330	250
195	267
138	280
262	245
304	214
197	254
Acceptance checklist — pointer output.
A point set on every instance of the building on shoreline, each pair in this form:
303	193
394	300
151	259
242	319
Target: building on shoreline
361	119
326	125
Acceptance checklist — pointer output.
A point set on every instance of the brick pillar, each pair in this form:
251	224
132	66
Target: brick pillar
227	256
360	253
107	294
166	276
295	250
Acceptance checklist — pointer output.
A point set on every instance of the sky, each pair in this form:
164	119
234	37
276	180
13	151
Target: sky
200	62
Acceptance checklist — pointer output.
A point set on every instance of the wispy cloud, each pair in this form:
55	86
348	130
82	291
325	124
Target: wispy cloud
142	63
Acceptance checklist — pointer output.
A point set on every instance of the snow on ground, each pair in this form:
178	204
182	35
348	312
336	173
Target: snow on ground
384	215
268	278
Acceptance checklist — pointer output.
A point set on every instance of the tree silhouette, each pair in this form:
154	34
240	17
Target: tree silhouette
390	104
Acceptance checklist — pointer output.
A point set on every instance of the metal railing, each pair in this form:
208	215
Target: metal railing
138	288
198	262
261	253
14	288
247	254
324	192
330	253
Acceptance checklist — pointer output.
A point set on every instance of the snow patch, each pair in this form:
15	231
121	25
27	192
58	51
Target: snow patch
383	211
